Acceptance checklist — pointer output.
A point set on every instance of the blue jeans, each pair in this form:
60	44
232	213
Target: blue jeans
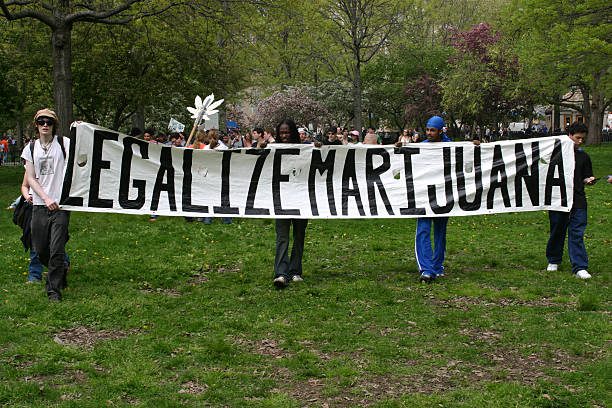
573	225
35	269
209	220
430	262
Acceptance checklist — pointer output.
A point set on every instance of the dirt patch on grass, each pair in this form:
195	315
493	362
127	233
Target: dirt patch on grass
86	337
200	276
163	291
264	347
69	377
502	365
192	388
465	303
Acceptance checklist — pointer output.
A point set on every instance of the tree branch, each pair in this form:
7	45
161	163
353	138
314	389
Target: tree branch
45	19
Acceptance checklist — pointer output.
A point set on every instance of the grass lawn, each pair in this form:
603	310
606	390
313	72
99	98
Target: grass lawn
184	314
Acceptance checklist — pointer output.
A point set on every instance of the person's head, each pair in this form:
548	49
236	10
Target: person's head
303	134
135	131
433	129
371	130
257	133
213	138
45	122
354	135
287	132
201	139
148	134
331	134
577	131
370	138
225	138
268	134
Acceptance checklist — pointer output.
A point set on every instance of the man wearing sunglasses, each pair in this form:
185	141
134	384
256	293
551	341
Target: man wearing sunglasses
45	168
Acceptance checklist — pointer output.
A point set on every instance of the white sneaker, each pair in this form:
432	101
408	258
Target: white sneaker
582	274
297	278
552	267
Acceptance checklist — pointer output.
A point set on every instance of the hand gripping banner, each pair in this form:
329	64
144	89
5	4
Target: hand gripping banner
112	172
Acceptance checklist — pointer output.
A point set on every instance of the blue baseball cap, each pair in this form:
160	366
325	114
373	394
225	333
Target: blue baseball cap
435	122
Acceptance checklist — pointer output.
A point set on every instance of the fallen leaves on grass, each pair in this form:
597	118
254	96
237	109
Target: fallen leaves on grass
87	337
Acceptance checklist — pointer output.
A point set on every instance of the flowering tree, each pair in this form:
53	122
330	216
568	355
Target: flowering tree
423	97
291	103
483	84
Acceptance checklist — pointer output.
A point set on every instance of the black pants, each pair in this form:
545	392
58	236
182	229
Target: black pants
283	265
49	237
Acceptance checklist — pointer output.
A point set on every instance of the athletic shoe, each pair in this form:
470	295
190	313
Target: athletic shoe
33	280
55	297
297	278
280	282
427	277
552	267
582	274
439	275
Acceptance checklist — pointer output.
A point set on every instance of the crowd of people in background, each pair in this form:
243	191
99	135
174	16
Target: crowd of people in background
45	226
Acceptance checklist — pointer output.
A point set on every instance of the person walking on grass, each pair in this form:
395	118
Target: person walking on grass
45	168
572	224
288	268
431	261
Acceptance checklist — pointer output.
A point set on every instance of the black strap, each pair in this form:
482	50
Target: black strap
60	140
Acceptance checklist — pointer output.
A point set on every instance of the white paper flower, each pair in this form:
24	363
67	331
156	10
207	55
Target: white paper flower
204	109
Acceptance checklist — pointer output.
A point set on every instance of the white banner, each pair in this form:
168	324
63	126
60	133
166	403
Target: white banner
112	172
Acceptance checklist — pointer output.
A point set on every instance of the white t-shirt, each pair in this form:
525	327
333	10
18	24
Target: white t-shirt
50	168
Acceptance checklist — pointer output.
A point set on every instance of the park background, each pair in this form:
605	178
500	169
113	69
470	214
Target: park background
184	314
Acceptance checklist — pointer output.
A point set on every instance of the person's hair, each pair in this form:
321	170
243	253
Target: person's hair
577	127
331	130
150	131
294	136
213	138
135	131
258	130
200	139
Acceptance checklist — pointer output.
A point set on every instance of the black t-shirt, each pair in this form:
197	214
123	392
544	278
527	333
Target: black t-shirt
334	143
583	169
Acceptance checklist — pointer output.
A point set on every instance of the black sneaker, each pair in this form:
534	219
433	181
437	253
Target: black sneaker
55	297
280	282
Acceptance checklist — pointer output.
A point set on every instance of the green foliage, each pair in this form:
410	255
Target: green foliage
158	63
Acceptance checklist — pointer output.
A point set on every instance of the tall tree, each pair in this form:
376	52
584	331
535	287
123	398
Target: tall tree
362	28
60	17
479	87
567	45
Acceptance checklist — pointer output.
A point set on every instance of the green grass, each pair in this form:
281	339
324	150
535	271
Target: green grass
184	314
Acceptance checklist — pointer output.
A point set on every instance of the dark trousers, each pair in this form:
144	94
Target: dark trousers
573	225
49	237
283	265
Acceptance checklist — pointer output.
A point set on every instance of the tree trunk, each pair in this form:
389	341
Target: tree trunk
595	119
597	108
138	120
357	95
62	76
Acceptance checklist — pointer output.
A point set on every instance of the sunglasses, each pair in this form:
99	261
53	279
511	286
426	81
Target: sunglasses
44	121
